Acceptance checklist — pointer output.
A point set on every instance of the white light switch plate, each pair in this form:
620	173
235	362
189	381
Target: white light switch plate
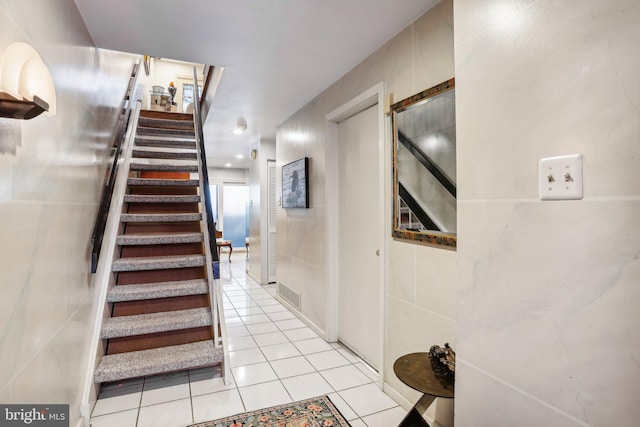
560	178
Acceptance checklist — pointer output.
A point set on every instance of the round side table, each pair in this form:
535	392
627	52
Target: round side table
415	370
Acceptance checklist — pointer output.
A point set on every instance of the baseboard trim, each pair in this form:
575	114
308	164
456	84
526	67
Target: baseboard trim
395	395
253	276
302	317
85	416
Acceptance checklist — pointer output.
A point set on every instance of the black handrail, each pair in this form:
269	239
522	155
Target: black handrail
197	120
417	210
427	163
100	224
208	72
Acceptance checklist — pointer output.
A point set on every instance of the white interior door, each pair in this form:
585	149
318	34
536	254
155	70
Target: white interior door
358	235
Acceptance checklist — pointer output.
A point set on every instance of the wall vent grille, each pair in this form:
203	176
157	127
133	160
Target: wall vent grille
289	294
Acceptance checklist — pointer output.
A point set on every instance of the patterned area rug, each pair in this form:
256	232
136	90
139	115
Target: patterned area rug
316	412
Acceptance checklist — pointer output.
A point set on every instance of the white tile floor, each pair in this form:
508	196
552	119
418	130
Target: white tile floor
275	359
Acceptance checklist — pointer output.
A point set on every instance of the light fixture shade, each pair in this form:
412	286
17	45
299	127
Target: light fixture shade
26	86
35	80
241	126
13	59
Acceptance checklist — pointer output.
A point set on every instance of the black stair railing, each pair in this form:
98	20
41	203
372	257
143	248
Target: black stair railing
427	163
97	236
417	210
197	120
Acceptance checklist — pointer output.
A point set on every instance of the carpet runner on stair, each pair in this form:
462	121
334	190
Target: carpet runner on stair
126	326
163	168
165	142
159	239
149	154
158	290
160	217
143	130
166	198
121	366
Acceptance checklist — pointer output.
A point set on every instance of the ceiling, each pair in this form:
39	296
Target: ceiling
277	54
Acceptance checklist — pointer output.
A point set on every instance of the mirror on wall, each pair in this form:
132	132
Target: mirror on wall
424	167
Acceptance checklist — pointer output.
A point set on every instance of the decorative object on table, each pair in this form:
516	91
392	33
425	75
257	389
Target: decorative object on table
159	99
443	361
295	184
318	411
172	93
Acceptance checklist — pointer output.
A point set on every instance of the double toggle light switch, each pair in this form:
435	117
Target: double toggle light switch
561	178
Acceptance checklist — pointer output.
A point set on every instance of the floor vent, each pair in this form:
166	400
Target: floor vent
289	294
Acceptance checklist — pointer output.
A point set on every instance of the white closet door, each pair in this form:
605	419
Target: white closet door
271	220
358	223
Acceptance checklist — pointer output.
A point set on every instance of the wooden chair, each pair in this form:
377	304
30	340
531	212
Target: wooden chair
223	243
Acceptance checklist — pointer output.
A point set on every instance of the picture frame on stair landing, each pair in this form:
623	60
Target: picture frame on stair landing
295	184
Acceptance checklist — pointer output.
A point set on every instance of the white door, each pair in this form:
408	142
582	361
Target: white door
358	230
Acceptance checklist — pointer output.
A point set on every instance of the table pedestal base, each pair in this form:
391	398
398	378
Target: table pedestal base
414	416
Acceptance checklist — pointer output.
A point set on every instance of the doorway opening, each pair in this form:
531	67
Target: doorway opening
230	205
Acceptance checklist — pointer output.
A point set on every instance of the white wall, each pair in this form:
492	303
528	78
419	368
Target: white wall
51	173
228	175
548	292
420	307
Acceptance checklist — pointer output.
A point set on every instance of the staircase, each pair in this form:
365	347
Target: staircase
161	300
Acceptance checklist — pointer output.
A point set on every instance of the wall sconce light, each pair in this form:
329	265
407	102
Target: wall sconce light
26	86
241	127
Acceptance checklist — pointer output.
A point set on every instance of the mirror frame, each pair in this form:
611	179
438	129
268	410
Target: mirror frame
431	238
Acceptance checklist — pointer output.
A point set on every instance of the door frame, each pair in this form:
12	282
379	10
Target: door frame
372	96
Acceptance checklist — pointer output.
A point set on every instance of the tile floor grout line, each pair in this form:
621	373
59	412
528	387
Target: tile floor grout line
144	380
193	417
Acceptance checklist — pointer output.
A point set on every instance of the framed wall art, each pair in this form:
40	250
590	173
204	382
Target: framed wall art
295	184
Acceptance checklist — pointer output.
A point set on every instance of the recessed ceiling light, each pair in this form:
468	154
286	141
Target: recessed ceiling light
228	165
239	156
